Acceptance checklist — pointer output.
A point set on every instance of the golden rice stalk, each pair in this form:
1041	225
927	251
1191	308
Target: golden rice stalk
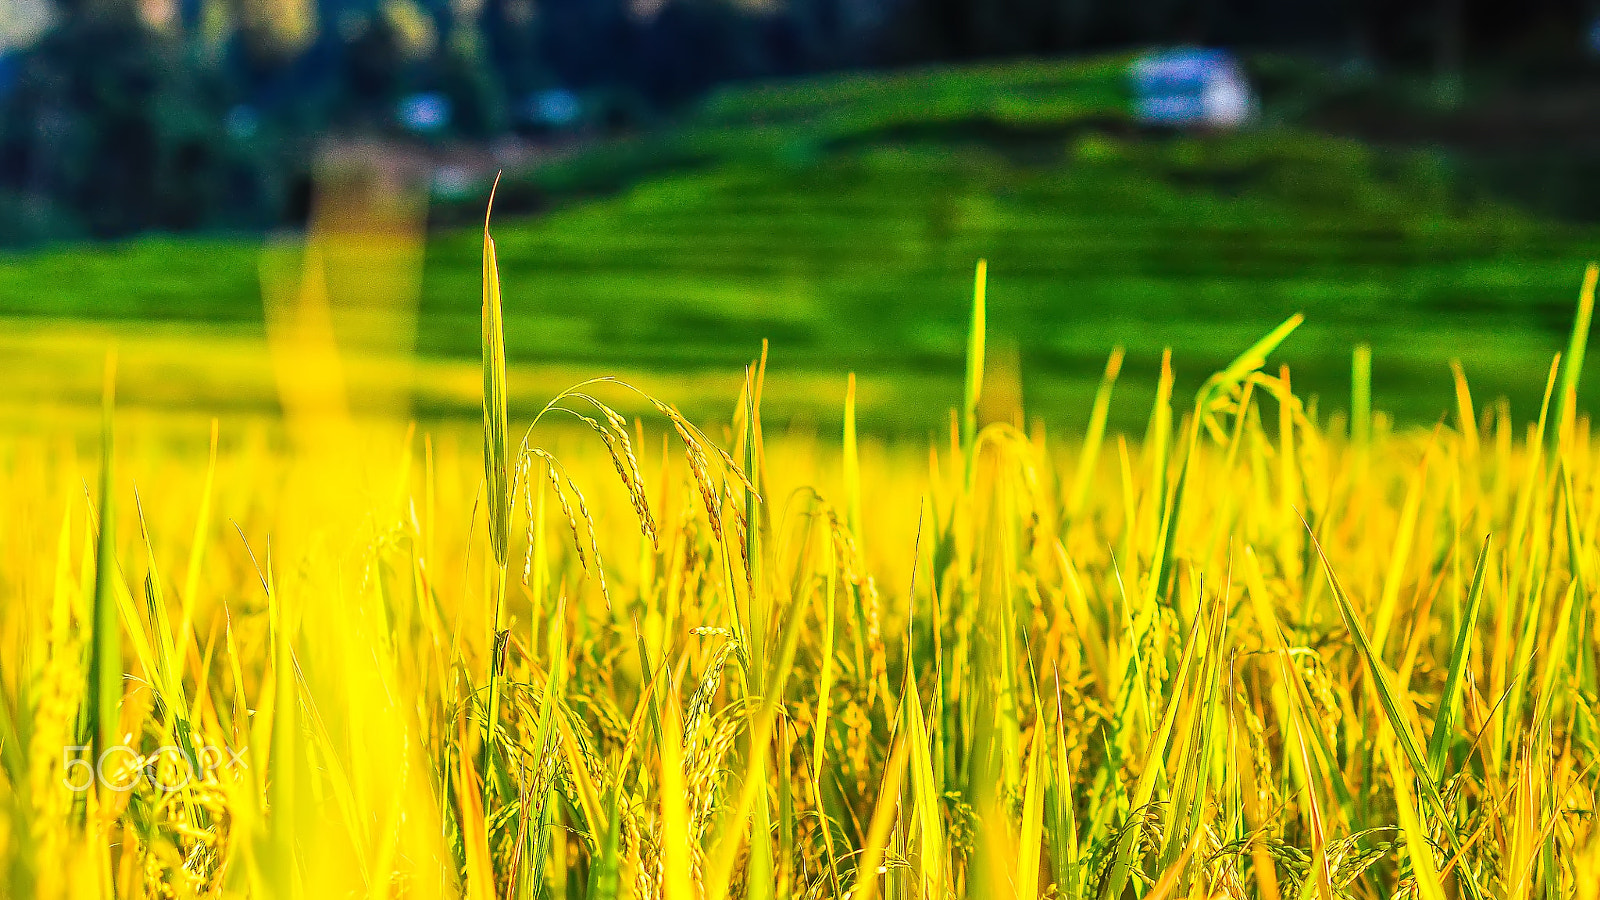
496	435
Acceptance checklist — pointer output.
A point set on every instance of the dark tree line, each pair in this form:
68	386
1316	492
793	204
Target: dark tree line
110	129
1391	32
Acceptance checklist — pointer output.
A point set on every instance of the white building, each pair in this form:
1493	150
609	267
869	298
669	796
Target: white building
1191	87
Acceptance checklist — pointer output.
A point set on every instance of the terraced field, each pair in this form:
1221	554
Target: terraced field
841	219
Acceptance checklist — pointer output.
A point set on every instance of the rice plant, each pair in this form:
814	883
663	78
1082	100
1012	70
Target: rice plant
1276	646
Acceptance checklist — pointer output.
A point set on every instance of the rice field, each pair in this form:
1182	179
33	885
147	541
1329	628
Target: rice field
1267	646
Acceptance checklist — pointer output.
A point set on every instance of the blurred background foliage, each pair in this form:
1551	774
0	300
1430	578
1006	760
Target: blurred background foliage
118	116
685	178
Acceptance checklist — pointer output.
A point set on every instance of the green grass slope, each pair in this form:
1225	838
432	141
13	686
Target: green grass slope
841	218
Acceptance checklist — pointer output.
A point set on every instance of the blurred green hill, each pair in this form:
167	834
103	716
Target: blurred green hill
841	217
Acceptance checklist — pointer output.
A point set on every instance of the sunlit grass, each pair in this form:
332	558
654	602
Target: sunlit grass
1264	648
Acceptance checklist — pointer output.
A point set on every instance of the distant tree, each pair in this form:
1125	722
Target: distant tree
972	29
116	126
467	78
830	34
374	69
113	9
587	43
510	42
1426	34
